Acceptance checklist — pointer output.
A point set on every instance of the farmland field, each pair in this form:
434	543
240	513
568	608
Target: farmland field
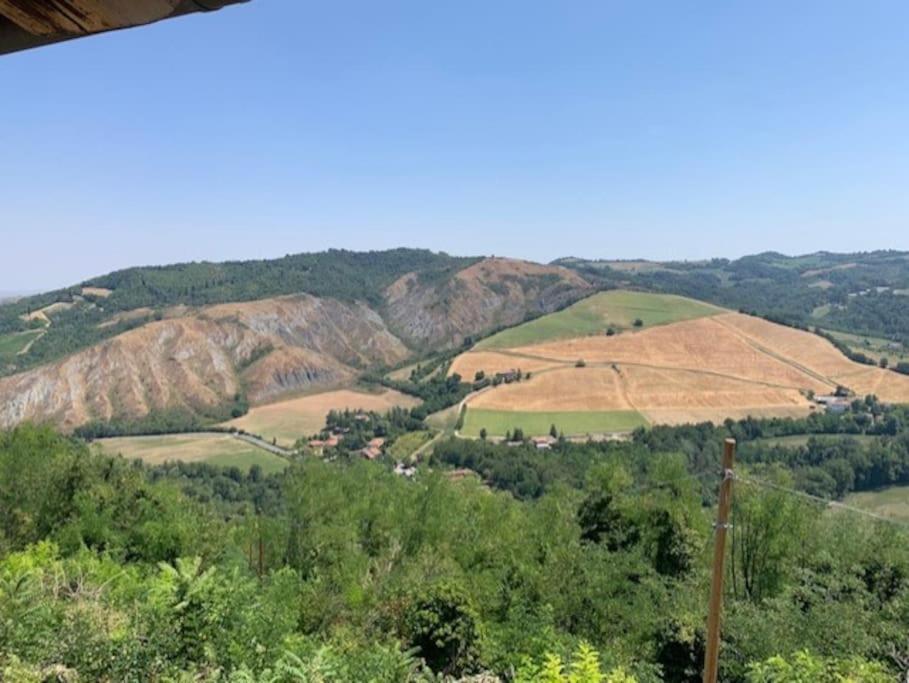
294	418
572	423
873	347
214	449
796	440
889	502
709	368
406	444
11	344
594	315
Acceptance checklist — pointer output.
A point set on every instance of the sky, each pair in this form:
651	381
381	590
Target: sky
664	130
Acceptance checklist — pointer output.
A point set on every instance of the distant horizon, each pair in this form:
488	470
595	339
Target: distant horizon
589	128
22	293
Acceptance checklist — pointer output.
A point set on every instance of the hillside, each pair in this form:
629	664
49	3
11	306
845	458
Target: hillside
91	359
492	293
863	293
688	364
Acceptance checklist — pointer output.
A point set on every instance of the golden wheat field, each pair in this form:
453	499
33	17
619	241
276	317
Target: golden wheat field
468	364
712	368
288	420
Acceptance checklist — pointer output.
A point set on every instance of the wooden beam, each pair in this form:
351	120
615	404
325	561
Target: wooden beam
30	23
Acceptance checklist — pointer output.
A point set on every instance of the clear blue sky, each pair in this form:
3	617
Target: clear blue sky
532	129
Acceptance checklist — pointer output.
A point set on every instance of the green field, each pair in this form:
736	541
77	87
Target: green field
889	502
214	449
11	344
498	422
594	315
405	445
797	440
873	347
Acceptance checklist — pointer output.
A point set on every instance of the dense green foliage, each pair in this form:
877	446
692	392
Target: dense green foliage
343	571
344	275
848	292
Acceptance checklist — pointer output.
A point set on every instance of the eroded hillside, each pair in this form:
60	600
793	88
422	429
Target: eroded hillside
200	359
493	293
203	360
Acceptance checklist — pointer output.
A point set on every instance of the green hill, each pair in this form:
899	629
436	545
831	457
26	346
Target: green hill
617	309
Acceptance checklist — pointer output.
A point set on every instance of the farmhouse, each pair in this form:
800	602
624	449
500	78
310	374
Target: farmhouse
320	445
833	403
543	443
371	453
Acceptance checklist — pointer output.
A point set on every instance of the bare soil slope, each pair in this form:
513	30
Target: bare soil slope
201	361
495	292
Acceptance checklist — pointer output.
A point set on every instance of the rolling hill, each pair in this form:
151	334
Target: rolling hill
692	363
142	341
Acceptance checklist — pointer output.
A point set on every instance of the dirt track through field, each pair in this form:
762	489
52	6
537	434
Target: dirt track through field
730	365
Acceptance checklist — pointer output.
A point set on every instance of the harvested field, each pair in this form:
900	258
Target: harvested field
565	389
711	368
294	418
795	346
215	449
468	364
99	292
703	345
665	396
43	314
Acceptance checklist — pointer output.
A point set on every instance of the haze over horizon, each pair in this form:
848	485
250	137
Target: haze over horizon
532	132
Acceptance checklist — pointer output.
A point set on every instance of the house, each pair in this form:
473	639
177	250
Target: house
543	443
319	445
833	404
371	453
378	442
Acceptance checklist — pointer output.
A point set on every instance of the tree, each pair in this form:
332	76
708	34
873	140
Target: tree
638	322
483	433
553	432
479	376
518	434
885	362
442	623
581	363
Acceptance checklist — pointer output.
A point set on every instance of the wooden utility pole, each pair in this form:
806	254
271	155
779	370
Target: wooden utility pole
711	658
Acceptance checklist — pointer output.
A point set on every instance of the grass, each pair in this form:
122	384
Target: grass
444	420
215	449
498	422
796	440
11	344
889	502
405	445
873	347
594	315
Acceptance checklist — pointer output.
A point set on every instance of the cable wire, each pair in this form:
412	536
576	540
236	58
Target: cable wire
827	502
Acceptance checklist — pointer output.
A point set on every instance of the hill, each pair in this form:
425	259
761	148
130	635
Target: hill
716	366
863	293
616	310
138	343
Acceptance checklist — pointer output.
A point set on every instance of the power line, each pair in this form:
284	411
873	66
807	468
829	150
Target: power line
827	502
